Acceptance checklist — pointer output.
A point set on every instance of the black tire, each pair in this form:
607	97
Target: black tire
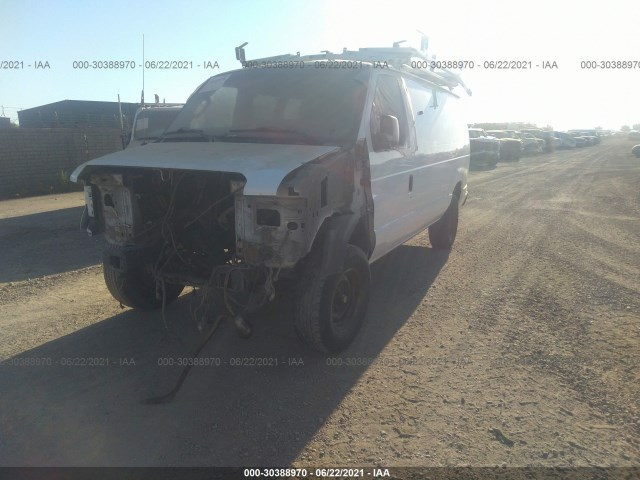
442	234
330	309
137	289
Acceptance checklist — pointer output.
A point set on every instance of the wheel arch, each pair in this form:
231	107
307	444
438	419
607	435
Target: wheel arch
457	190
335	233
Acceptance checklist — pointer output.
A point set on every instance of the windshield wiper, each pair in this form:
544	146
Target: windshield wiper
276	130
187	133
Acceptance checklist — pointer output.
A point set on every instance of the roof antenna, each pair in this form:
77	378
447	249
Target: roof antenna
397	44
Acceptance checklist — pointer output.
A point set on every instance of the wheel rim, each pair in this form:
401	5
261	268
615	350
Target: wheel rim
345	299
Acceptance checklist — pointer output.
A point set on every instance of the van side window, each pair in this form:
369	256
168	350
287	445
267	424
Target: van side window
421	98
439	119
387	101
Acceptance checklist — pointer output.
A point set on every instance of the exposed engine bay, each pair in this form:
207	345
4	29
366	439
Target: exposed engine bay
185	218
194	213
180	228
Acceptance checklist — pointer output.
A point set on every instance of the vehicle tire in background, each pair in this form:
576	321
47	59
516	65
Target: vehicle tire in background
137	288
330	309
442	234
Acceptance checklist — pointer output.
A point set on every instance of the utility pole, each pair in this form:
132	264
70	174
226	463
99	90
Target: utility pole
142	100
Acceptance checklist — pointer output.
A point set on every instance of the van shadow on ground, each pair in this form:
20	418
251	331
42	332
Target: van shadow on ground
45	243
224	415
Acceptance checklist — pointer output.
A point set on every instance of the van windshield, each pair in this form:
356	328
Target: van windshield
287	106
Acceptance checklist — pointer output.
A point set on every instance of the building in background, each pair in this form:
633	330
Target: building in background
78	114
5	122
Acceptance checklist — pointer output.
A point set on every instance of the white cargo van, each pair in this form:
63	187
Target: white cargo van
312	167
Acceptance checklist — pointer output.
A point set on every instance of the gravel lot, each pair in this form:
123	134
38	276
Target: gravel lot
519	347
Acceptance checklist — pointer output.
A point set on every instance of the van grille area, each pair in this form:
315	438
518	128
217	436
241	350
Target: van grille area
183	220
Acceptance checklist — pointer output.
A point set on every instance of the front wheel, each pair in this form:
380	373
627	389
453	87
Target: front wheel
442	234
330	309
137	288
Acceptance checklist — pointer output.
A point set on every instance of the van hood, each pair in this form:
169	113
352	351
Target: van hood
263	165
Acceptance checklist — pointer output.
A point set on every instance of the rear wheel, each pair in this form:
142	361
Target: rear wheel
137	288
443	233
330	309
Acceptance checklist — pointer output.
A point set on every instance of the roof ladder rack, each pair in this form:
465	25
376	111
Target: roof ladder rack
398	57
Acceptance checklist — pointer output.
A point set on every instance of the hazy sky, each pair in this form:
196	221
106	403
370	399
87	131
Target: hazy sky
567	32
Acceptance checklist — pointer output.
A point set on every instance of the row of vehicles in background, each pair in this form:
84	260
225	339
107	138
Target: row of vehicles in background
488	147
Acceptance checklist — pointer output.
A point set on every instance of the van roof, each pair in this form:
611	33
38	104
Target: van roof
401	59
365	64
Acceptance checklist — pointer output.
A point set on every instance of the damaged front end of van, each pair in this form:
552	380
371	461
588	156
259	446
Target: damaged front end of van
228	204
188	226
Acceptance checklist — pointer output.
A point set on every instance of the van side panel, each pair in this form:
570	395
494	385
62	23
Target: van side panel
438	161
392	173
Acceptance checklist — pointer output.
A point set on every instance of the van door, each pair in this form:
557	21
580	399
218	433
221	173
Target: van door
426	109
392	182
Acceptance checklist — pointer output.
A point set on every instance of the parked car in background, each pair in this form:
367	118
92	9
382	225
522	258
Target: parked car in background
512	133
565	140
593	140
636	150
510	148
633	135
530	143
151	121
485	150
584	139
593	135
546	136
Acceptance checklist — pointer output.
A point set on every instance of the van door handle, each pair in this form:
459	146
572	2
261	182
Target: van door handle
410	183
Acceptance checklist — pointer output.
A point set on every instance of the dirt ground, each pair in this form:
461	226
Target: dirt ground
519	347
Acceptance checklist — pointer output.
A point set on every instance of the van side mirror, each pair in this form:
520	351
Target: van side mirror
390	129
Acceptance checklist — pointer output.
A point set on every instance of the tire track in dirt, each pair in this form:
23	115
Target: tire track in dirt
550	321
